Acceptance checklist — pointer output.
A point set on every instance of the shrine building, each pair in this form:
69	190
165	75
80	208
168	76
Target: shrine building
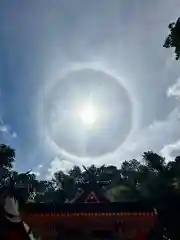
90	215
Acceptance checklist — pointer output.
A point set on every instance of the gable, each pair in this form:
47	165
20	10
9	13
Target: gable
90	195
92	198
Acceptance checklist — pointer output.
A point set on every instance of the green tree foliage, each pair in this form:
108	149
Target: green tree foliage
7	158
173	39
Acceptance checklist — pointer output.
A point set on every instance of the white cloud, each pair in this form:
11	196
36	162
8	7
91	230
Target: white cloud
36	173
6	130
165	133
39	166
14	135
174	90
168	150
58	164
155	137
116	27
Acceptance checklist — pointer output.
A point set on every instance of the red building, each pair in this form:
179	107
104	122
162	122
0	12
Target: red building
91	216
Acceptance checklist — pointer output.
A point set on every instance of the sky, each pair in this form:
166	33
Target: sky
57	55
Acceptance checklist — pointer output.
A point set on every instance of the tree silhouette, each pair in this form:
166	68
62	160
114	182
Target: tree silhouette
7	158
173	39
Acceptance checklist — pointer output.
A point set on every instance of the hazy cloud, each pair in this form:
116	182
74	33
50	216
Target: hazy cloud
172	150
36	173
6	130
39	39
59	164
37	170
155	137
174	90
39	166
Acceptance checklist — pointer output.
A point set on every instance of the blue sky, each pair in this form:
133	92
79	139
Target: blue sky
40	40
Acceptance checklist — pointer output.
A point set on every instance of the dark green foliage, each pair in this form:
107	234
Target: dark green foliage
173	39
7	158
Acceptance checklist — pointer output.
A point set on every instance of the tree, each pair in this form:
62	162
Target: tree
66	182
25	184
7	158
46	191
173	39
154	161
122	193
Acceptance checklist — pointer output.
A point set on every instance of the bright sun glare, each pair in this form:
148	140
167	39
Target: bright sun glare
88	114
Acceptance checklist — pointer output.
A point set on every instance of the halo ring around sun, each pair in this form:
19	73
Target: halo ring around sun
134	103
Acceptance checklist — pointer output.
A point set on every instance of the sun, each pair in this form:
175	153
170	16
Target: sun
88	114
